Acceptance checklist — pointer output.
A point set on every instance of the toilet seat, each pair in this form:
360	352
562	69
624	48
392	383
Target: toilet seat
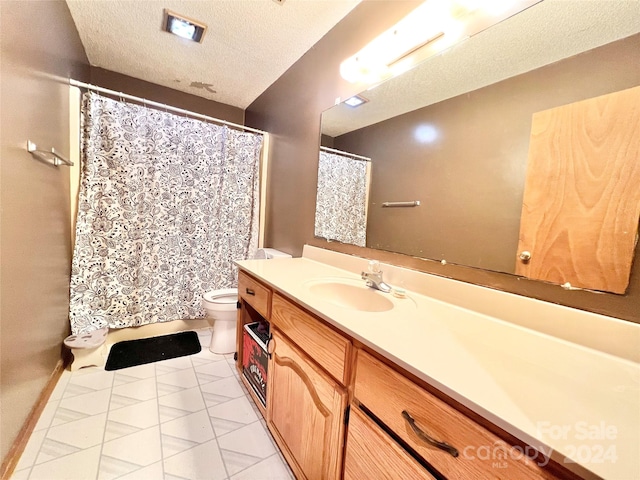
225	296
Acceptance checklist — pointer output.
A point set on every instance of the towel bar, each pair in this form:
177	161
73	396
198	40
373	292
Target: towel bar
52	156
415	203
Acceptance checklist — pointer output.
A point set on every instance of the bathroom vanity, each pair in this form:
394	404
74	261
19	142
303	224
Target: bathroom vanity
361	384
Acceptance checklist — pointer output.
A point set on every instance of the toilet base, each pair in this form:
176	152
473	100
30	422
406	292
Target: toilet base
223	337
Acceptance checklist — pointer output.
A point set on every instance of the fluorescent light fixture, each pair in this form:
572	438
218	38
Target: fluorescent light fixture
183	27
355	101
432	27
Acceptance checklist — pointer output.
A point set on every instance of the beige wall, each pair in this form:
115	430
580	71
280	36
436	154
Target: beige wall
40	51
290	109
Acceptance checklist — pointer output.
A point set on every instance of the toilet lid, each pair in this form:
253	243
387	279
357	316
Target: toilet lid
224	296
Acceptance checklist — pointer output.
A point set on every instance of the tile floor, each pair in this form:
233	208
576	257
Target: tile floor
185	418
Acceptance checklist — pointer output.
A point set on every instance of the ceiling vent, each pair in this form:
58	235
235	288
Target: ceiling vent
183	27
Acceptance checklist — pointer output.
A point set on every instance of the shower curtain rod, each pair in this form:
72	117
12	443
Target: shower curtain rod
353	155
144	101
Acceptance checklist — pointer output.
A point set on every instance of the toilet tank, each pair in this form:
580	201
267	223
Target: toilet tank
268	253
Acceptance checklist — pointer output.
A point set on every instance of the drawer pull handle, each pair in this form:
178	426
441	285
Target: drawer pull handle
426	438
250	291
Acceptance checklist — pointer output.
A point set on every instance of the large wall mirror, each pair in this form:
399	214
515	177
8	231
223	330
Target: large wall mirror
454	132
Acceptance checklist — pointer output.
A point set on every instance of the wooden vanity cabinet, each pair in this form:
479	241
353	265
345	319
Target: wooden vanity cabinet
314	373
305	412
306	381
254	305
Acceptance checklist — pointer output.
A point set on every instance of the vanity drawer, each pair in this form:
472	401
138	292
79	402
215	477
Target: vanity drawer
327	347
254	293
386	393
371	453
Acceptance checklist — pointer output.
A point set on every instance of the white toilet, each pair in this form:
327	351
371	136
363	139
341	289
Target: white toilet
220	306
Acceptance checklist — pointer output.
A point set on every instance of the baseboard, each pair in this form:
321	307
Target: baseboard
10	462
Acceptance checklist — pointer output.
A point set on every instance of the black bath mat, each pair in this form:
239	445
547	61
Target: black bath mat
148	350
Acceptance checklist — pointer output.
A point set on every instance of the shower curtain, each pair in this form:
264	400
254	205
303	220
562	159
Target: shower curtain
166	204
341	202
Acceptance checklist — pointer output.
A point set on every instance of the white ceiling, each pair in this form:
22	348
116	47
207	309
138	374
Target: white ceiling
248	44
545	33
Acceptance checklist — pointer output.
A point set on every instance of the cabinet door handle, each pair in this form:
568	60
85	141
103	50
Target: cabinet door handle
426	438
250	291
270	353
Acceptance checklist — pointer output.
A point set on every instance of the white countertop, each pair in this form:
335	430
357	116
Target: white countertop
574	403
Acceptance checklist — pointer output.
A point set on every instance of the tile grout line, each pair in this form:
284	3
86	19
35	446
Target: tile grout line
155	372
263	422
276	453
61	456
213	430
277	449
46	434
106	422
64	443
234	451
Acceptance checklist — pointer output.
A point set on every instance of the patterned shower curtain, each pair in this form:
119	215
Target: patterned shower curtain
166	204
341	202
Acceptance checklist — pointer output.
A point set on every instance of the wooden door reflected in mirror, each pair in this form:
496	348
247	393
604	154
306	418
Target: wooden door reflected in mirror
582	193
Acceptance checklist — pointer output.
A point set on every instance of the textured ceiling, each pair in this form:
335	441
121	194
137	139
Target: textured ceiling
545	33
247	46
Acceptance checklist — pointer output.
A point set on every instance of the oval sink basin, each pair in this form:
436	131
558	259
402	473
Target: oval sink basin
350	294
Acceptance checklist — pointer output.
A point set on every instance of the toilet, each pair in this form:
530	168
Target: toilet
220	306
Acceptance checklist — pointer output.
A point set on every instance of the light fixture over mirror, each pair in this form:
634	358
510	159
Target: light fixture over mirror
429	29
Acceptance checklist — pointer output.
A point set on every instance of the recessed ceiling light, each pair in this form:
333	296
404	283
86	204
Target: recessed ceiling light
355	101
183	27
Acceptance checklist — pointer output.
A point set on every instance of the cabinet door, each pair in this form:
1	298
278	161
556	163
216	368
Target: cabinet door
305	412
371	453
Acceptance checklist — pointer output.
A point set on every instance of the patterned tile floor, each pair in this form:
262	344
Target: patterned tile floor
185	418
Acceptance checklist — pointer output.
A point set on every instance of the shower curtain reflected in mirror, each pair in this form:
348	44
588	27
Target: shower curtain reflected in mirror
342	197
166	204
